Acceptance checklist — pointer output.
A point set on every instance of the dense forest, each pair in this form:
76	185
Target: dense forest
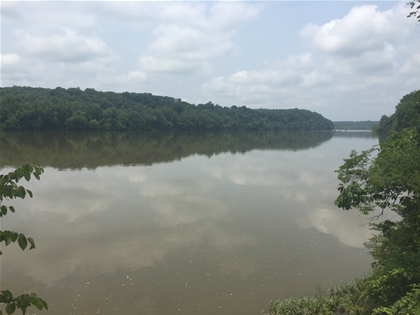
27	108
407	114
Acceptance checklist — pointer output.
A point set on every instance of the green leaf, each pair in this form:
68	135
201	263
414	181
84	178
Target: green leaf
8	239
39	304
20	192
29	192
27	176
12	209
25	302
22	241
13	236
10	308
3	210
8	295
32	242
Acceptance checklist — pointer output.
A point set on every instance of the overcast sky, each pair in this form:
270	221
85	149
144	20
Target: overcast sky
345	60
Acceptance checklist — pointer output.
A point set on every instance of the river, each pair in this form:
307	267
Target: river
181	223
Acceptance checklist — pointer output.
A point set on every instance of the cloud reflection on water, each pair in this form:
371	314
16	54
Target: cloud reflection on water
237	216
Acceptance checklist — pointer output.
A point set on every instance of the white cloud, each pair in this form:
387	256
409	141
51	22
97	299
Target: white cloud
190	34
65	46
412	65
257	87
189	43
363	29
186	13
230	14
136	75
152	64
9	59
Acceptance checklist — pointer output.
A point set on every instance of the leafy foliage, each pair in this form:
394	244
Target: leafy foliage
10	189
26	108
347	298
320	304
21	302
415	6
407	114
388	182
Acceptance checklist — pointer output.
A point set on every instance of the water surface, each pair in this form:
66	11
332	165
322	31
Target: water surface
215	223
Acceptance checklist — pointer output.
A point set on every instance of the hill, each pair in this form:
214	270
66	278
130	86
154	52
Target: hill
407	114
27	108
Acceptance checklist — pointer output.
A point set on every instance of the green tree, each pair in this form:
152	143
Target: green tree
388	182
77	121
10	189
407	114
26	108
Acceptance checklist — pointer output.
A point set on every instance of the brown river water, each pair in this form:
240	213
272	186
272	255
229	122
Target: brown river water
188	223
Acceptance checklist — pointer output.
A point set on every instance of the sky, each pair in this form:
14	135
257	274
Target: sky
345	60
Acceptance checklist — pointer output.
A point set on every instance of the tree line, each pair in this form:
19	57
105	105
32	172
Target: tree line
27	108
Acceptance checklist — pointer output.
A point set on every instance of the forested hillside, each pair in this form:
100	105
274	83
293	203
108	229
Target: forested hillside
27	108
407	114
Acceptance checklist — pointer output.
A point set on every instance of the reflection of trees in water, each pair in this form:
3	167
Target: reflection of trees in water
355	134
91	150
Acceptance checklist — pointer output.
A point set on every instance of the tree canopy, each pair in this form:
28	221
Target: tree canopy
389	182
407	114
26	108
